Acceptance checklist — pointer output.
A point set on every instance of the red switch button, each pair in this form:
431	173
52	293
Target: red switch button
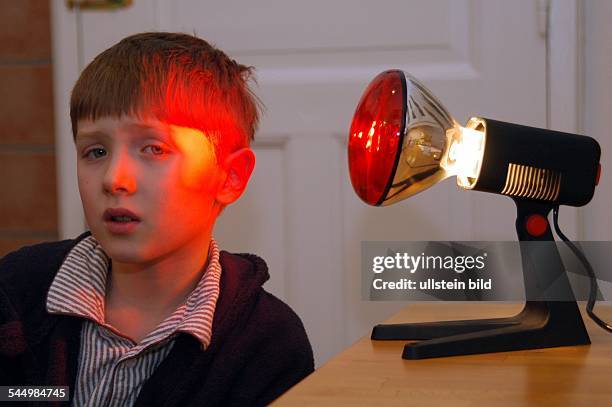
536	225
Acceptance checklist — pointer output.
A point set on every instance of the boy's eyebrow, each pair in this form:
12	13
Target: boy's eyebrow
160	131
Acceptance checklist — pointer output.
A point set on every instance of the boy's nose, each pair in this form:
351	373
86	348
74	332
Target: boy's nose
120	176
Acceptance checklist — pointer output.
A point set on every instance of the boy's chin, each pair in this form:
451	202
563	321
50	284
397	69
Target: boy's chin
123	250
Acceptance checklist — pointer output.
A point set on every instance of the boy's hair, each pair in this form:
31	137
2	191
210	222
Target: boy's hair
176	78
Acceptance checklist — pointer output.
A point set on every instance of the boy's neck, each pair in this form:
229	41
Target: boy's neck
159	287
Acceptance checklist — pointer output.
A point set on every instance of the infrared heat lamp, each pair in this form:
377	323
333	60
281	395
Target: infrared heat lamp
402	141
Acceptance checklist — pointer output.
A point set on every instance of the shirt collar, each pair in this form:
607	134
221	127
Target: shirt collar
79	288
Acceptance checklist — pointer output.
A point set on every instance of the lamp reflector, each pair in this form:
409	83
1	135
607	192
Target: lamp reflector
375	136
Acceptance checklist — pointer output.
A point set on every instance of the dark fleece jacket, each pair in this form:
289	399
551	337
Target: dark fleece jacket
258	350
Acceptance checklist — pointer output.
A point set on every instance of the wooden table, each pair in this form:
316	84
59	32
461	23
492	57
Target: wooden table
372	373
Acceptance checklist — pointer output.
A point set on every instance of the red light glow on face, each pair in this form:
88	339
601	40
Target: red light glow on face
375	136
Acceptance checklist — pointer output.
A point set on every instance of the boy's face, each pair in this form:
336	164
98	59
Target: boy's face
165	175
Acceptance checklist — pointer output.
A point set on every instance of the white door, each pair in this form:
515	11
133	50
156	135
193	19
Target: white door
313	60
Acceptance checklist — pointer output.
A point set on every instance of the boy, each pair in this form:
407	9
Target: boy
145	309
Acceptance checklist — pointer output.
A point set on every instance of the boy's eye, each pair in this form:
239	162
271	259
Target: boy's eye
95	153
154	149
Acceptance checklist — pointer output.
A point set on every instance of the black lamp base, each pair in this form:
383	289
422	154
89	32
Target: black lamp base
538	325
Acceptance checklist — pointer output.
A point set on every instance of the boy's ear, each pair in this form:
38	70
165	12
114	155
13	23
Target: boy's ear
238	168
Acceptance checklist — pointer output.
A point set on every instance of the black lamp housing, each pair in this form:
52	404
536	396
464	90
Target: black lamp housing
537	164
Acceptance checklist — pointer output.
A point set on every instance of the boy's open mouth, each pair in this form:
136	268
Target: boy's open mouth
120	220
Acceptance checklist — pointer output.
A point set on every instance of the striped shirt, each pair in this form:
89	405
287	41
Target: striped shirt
112	368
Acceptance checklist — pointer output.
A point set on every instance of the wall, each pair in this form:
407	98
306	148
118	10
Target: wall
28	199
598	110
